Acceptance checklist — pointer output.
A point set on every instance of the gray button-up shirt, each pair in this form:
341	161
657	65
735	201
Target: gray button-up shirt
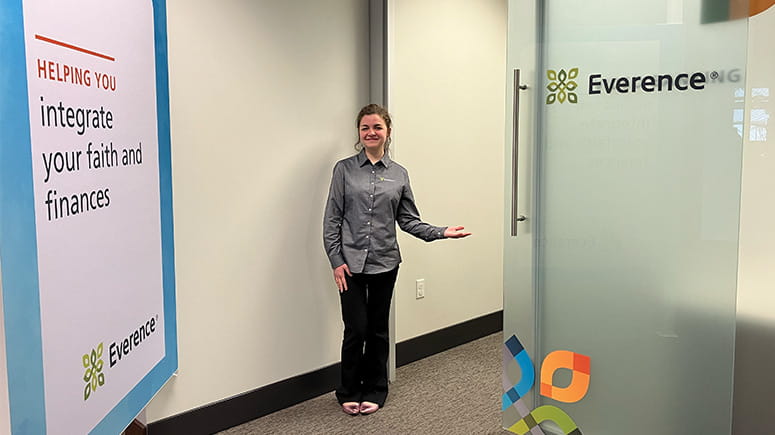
364	203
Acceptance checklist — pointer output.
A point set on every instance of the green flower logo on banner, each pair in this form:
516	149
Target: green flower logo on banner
93	376
561	86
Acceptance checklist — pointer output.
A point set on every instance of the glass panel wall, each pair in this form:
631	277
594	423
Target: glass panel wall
639	144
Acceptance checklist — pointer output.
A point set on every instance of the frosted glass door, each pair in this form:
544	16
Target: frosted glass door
639	108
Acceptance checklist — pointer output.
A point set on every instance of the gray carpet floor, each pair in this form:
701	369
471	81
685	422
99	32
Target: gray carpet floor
453	392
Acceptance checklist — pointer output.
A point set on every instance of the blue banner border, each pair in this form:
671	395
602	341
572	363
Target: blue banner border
18	240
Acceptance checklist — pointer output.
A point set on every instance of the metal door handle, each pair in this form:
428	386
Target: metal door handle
515	216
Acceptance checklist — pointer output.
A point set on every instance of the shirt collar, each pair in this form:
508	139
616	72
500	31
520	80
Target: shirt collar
362	159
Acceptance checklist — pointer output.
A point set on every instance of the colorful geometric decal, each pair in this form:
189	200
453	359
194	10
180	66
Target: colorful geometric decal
565	359
514	350
544	413
714	11
516	357
756	7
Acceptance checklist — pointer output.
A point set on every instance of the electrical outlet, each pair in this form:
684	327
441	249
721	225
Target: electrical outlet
420	287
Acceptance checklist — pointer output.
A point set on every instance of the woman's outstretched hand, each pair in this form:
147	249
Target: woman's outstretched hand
339	278
455	233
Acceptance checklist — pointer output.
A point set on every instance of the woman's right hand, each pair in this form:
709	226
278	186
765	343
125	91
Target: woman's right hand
339	278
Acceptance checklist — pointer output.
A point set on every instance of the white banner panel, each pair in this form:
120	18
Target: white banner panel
95	170
97	159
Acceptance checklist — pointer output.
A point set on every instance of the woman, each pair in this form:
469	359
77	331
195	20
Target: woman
369	194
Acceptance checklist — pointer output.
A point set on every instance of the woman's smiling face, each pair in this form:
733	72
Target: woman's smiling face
373	133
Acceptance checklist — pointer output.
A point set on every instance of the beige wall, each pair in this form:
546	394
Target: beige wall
754	352
446	75
263	95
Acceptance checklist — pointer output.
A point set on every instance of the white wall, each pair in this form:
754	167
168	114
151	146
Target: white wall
446	75
263	99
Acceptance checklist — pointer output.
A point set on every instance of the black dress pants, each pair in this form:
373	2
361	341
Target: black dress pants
365	312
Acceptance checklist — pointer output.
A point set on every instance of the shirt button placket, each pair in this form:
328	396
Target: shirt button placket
372	191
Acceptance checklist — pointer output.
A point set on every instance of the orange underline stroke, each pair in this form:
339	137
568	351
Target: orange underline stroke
73	47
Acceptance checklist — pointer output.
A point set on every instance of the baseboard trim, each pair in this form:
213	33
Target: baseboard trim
218	416
444	339
254	404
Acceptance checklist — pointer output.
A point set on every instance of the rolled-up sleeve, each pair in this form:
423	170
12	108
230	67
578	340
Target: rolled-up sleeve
408	217
332	218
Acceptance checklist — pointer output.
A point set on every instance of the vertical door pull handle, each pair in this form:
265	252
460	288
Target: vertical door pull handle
515	216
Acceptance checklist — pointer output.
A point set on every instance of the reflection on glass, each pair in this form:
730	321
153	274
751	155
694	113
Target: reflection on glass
759	114
737	120
738	115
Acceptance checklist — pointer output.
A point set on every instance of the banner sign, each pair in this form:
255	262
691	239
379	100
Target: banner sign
86	244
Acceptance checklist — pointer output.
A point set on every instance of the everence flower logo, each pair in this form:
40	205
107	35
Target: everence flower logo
561	86
93	376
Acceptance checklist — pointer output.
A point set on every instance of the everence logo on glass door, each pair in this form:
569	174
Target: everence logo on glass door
562	85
